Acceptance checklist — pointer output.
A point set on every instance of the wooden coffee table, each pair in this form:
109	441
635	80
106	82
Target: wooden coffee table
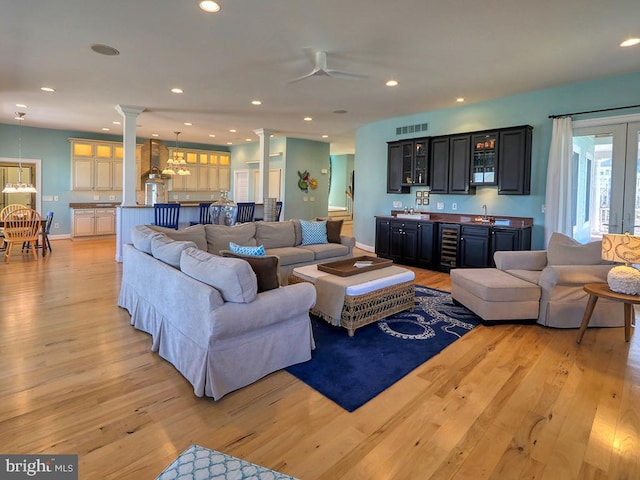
367	298
597	290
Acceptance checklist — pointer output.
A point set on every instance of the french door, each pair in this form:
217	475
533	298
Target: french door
606	180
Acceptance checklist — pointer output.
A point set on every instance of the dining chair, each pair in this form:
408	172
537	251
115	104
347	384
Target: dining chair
205	216
47	228
20	226
3	213
166	214
278	210
245	211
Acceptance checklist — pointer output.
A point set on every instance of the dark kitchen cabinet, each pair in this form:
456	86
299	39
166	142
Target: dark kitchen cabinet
510	239
396	168
484	158
404	242
449	164
383	237
439	164
474	246
407	164
460	165
514	160
426	244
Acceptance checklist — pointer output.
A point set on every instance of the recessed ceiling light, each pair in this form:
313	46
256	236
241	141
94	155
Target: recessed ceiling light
256	102
177	90
247	140
21	105
105	129
459	99
232	130
115	122
188	124
155	135
212	135
325	136
104	50
229	143
307	119
209	6
630	42
392	83
47	89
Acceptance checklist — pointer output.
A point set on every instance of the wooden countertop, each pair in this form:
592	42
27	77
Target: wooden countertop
94	205
467	219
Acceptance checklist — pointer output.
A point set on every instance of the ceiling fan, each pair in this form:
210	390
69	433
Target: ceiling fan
319	60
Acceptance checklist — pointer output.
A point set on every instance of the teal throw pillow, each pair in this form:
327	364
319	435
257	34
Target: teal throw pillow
240	250
313	232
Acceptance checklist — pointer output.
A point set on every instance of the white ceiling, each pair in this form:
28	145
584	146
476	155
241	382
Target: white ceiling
437	50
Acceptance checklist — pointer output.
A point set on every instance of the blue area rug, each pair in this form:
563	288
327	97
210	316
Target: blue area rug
352	370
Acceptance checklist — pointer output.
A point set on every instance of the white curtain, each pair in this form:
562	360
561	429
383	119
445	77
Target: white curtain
559	199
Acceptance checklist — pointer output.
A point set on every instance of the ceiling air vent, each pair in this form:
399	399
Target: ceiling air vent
420	127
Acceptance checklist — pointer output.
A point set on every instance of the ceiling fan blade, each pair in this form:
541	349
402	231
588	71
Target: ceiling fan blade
345	75
310	74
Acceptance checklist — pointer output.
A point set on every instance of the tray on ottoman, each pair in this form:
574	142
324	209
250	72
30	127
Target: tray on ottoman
346	268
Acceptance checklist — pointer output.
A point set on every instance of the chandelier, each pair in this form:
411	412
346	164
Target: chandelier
19	187
176	165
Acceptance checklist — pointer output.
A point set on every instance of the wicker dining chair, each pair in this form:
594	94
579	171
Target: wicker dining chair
20	226
3	213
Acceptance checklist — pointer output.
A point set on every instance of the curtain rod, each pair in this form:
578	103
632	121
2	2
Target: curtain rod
592	111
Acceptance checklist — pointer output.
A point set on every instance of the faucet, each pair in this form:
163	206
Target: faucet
485	211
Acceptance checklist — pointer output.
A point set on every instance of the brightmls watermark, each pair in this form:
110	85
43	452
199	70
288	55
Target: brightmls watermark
44	467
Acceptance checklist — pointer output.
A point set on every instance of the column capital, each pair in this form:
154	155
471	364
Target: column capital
263	132
126	110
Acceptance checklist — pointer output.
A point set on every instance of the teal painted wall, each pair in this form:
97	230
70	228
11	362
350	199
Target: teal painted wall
530	108
313	156
53	148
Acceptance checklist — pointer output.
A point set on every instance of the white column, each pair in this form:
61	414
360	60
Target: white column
263	175
129	181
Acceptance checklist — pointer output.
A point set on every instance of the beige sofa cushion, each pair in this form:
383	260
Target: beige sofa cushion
323	251
168	251
564	250
141	236
232	277
275	234
292	255
493	285
193	234
219	236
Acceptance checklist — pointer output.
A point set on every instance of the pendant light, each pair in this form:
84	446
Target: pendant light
19	187
176	165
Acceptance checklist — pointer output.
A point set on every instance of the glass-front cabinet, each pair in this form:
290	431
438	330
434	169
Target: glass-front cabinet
484	159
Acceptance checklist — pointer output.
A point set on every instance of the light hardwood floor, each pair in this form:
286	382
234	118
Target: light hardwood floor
503	402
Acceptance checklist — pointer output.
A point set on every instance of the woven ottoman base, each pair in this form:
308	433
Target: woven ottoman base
360	310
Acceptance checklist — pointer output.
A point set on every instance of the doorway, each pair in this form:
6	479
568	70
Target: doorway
606	180
10	173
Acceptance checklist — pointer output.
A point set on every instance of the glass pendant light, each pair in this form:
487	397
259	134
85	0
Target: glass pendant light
177	164
19	187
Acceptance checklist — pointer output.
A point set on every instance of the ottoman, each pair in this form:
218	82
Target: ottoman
358	300
494	295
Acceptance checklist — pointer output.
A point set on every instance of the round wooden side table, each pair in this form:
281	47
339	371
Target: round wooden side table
602	290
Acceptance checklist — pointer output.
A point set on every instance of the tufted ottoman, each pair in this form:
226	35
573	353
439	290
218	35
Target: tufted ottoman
494	295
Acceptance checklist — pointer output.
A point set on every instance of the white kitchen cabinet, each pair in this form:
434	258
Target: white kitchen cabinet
89	222
98	165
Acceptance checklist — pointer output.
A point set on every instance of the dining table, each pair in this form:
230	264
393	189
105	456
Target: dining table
43	234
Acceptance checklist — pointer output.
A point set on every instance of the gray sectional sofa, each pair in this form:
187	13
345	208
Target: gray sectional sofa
205	313
283	239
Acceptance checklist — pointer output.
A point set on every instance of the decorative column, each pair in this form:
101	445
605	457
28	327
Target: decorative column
129	181
263	175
